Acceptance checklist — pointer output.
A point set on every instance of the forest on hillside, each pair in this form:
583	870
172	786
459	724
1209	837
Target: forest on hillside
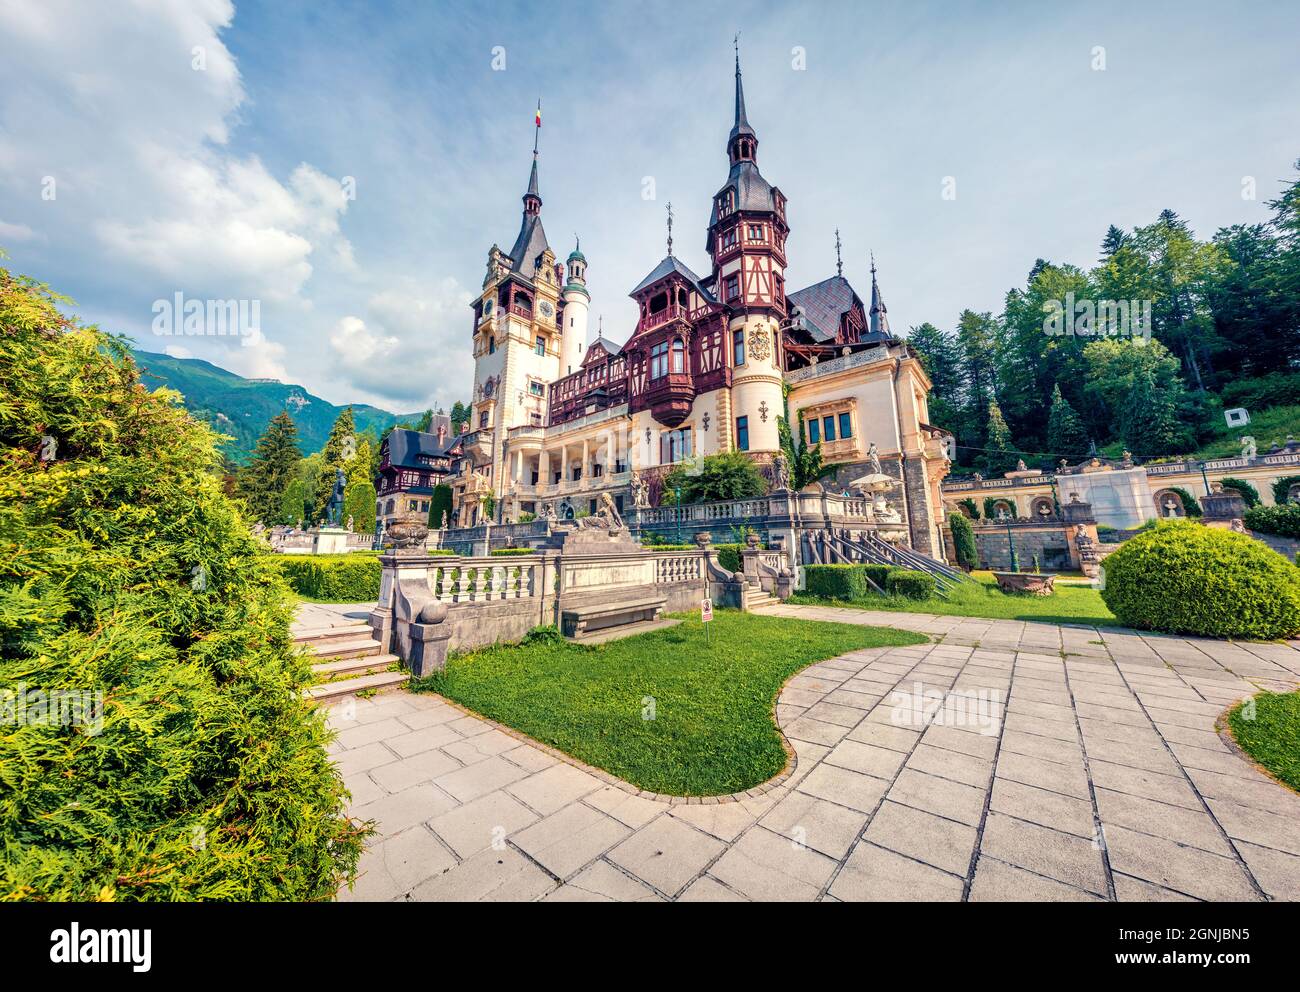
1224	332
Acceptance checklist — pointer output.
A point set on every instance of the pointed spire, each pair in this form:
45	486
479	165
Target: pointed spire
533	199
879	315
839	262
737	148
670	228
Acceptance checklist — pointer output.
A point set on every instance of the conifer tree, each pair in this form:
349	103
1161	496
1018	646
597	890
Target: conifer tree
264	480
1065	433
1000	452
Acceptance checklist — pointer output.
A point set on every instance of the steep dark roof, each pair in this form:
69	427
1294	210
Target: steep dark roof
597	351
529	245
822	305
405	446
753	192
668	266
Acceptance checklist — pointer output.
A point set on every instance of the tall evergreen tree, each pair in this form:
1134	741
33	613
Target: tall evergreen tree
339	450
1000	453
1066	436
268	474
1149	422
940	356
1112	242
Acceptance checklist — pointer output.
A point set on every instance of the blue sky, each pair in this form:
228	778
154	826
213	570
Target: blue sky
224	181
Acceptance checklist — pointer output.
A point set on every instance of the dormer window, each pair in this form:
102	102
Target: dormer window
729	239
727	202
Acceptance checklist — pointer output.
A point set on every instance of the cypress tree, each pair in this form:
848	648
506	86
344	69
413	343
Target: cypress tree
1000	454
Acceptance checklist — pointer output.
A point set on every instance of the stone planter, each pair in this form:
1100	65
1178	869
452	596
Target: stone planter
1026	583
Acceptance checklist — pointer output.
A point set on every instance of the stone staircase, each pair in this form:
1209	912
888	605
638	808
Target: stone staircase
348	661
757	597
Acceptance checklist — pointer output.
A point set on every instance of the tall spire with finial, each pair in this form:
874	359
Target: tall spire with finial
742	143
878	316
670	228
533	199
839	262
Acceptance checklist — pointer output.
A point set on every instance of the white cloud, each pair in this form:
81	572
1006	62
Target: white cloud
176	351
15	232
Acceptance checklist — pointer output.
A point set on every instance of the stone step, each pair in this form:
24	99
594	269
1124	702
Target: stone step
336	650
363	666
333	692
320	635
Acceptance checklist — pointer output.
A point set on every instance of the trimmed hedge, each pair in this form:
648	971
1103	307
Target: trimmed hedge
847	582
351	578
515	551
729	556
1284	520
963	539
1184	578
913	585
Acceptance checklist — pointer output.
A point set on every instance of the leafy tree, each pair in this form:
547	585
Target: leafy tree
730	475
339	450
1065	434
293	503
1149	422
460	414
264	480
129	576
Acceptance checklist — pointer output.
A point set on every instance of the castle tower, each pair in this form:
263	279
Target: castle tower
577	304
746	240
517	342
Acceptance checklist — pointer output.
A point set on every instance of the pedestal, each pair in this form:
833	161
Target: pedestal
329	541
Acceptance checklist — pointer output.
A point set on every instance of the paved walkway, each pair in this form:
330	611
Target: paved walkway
1101	778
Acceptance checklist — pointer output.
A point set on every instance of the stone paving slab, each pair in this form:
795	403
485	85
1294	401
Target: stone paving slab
985	765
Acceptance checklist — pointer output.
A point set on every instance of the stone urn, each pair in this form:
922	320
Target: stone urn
409	532
752	540
703	539
1027	583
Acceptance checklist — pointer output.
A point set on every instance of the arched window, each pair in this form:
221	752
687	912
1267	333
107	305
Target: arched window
492	345
679	355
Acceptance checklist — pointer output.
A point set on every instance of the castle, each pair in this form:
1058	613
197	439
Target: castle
711	364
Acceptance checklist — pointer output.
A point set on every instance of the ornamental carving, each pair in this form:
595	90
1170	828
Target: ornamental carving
760	343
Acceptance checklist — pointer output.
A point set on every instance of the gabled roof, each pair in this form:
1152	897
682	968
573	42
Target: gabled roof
405	446
598	351
823	305
667	267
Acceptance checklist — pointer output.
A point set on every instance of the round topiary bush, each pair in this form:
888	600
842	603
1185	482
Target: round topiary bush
1184	578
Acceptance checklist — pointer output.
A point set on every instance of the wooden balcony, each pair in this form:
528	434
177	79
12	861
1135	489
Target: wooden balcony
670	397
665	316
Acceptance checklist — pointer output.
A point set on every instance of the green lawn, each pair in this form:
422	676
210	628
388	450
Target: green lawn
1273	737
711	702
982	598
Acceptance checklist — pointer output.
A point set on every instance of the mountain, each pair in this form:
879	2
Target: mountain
243	407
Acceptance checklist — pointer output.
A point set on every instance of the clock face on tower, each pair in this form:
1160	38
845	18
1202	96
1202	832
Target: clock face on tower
546	309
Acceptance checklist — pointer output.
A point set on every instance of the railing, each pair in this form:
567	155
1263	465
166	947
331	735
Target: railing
673	312
685	566
519	311
487	580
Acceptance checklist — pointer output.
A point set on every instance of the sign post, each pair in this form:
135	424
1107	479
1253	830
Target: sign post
706	615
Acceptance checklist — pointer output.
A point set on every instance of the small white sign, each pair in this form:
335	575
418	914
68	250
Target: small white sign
706	610
1237	416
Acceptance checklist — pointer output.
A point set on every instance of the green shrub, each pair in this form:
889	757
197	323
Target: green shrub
351	578
126	572
515	551
877	574
729	556
1284	520
1262	392
1185	578
1248	492
440	506
1281	487
971	506
913	585
548	634
963	539
847	582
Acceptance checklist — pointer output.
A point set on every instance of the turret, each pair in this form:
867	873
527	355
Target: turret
577	303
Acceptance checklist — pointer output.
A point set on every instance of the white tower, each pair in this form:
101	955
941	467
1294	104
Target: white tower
577	303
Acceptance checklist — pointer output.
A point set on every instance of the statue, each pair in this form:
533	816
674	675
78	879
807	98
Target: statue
640	491
873	456
606	516
1248	447
1088	558
1020	465
1171	508
780	473
548	513
1127	461
1238	526
334	508
349	521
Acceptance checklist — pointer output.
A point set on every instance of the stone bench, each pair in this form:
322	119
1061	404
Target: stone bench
582	619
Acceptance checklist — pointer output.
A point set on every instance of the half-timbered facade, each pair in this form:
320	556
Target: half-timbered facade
710	366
